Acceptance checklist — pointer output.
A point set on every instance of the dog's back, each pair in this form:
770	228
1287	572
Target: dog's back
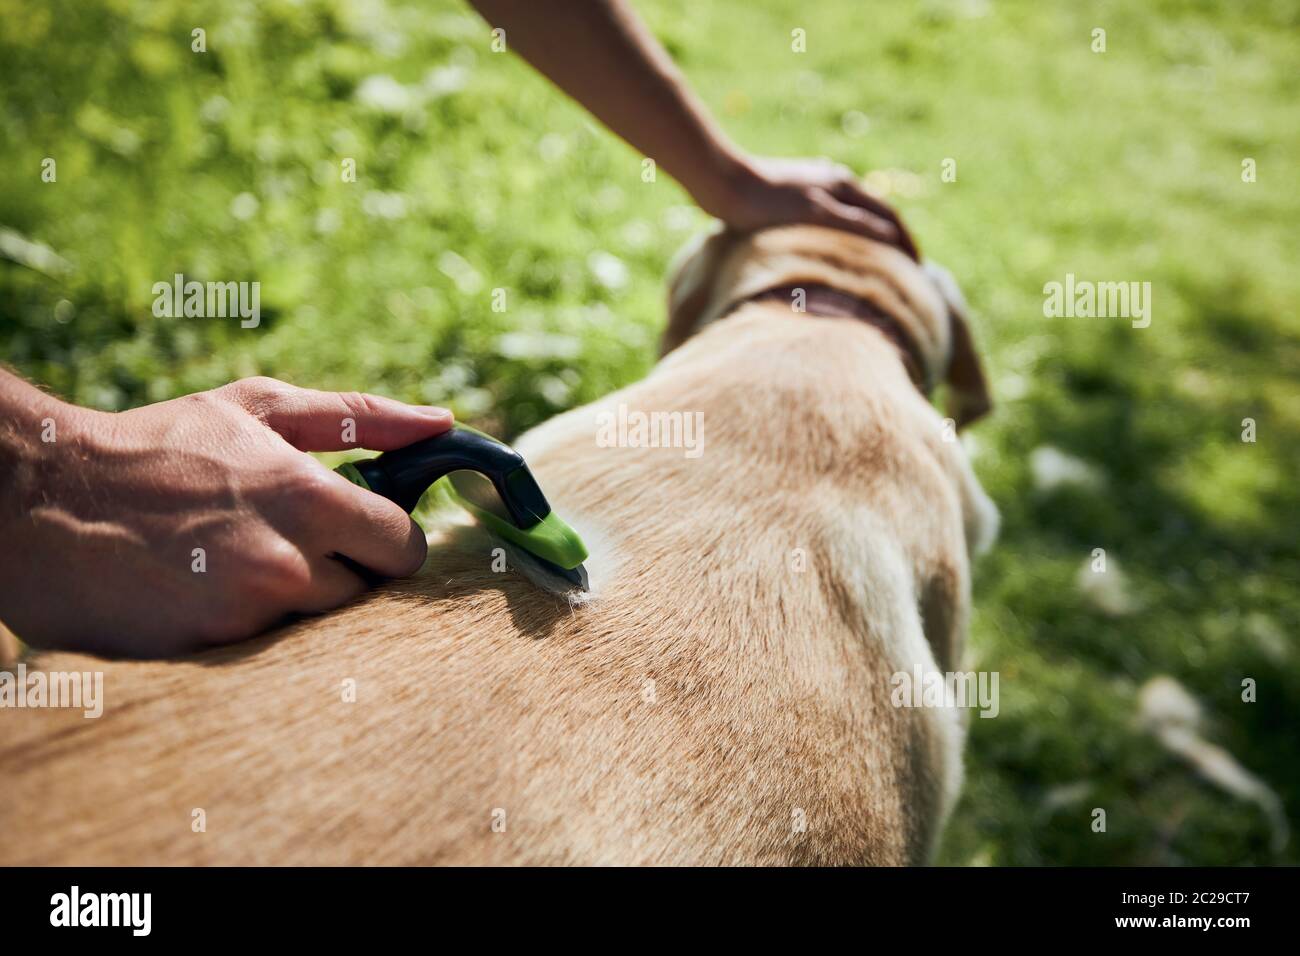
724	697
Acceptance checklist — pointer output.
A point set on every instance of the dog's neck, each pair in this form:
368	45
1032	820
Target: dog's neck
822	300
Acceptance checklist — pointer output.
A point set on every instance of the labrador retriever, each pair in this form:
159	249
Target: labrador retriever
721	696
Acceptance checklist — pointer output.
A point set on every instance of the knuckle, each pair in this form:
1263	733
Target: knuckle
311	485
276	570
261	384
360	405
357	404
260	394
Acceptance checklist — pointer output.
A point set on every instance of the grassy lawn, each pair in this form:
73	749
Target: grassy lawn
474	174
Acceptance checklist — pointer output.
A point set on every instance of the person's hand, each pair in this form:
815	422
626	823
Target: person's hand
603	56
200	521
773	192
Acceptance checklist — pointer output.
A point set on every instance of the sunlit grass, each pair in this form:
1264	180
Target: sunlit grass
474	174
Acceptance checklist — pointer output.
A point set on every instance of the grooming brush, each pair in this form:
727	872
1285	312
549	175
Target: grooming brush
487	478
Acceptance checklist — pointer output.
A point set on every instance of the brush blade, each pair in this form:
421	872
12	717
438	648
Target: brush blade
578	576
575	576
553	577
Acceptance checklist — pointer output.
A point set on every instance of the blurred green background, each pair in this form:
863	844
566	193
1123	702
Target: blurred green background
474	174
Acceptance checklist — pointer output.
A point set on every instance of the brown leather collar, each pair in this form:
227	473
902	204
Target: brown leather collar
825	300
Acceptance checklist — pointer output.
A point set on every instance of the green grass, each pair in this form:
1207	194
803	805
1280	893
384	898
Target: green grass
1123	165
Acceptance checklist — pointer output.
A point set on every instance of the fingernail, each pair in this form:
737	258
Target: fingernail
433	411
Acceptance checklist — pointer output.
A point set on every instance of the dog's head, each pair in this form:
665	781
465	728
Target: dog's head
723	269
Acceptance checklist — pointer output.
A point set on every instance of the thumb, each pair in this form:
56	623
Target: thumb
332	421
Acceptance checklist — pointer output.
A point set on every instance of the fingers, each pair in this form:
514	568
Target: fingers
328	548
848	191
330	421
368	529
322	514
831	212
332	584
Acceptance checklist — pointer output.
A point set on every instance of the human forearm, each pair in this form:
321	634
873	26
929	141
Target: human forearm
602	55
22	403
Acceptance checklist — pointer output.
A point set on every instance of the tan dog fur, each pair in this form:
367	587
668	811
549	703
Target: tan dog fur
706	701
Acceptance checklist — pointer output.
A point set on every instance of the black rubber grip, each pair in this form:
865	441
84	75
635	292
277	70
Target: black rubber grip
404	474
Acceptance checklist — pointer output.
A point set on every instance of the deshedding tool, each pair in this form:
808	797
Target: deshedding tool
487	478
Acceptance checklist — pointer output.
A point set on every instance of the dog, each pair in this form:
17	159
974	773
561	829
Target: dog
721	696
